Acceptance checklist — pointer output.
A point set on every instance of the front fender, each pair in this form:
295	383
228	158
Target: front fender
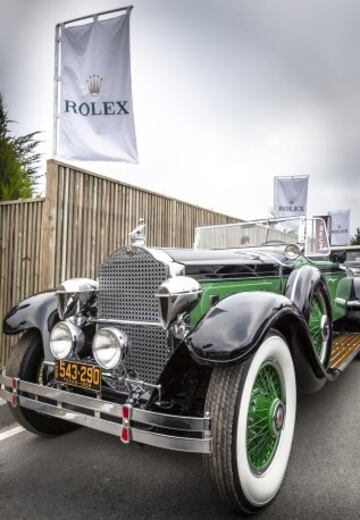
39	312
300	287
236	325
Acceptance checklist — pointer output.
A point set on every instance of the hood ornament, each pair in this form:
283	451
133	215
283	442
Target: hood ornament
137	235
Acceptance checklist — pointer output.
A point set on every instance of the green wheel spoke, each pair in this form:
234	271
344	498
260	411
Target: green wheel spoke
260	433
258	422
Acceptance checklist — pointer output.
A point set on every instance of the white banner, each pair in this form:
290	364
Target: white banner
96	121
290	196
340	227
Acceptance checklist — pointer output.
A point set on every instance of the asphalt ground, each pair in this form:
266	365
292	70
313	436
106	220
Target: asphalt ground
89	475
6	420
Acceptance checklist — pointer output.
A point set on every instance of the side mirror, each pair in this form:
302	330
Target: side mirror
293	251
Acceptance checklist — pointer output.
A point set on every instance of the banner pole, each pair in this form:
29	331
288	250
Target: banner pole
274	198
307	194
56	89
127	8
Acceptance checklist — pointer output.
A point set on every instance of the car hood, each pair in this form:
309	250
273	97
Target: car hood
231	263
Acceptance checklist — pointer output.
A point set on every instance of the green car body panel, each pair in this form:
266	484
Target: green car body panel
223	289
338	284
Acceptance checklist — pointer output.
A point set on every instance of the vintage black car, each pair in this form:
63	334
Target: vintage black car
200	350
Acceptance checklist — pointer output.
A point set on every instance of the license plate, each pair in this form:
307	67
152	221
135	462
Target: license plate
80	375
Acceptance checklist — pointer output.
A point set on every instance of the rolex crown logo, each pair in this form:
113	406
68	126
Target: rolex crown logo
94	82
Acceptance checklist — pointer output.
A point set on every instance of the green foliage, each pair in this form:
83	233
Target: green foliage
18	161
355	241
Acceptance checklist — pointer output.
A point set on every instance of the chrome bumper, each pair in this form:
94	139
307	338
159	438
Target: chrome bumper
190	434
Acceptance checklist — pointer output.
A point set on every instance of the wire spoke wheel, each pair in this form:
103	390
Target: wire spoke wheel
319	324
265	417
252	408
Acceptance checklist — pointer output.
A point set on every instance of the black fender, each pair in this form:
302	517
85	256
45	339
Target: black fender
37	312
300	288
235	327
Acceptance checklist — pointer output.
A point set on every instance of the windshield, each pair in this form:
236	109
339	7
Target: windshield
353	256
309	233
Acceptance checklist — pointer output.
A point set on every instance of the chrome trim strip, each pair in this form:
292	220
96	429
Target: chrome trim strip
174	422
69	415
353	303
89	403
201	425
340	301
172	443
107	321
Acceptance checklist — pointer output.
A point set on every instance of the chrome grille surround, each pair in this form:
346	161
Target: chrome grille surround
128	281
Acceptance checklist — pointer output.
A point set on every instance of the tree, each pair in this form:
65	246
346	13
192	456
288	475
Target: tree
355	240
18	161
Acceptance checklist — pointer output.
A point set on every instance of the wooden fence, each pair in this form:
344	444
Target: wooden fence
83	218
20	256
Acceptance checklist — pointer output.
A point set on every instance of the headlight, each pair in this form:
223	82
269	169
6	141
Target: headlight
75	296
175	296
109	347
65	338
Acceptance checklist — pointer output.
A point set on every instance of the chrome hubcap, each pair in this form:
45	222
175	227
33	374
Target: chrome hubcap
325	327
278	417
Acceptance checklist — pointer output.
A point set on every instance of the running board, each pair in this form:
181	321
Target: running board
344	350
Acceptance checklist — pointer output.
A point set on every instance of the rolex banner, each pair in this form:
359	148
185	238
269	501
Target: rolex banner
340	227
290	196
96	121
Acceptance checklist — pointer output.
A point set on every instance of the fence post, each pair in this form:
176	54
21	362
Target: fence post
48	245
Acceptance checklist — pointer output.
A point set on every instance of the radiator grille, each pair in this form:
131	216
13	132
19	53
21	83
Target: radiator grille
128	281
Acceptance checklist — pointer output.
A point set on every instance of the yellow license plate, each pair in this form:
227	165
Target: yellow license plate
80	375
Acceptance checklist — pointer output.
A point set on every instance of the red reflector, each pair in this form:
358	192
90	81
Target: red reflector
125	435
13	401
14	383
126	412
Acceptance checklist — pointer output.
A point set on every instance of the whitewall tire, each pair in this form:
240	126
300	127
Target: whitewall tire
253	408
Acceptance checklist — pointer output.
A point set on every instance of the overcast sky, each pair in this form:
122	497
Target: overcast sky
227	94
